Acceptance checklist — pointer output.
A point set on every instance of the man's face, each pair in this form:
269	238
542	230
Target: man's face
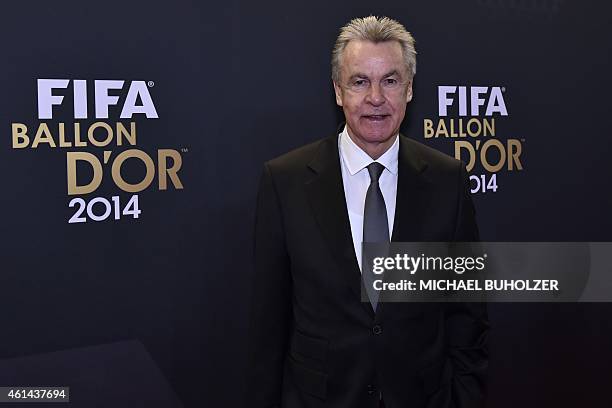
373	91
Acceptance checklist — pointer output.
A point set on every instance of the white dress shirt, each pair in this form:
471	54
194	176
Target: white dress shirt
356	180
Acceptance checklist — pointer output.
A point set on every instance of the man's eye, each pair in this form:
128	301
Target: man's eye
359	82
391	81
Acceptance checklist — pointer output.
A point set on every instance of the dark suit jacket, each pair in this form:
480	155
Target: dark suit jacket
313	342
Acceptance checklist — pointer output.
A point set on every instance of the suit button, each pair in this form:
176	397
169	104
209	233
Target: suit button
371	389
377	329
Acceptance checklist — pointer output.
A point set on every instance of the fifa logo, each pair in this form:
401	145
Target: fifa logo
50	94
480	97
467	115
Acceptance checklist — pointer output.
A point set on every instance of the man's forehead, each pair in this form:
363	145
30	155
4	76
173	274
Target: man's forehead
362	55
366	47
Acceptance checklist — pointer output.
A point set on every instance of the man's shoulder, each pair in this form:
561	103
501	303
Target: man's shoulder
434	160
299	158
296	161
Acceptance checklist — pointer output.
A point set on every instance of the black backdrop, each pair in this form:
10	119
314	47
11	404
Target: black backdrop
235	84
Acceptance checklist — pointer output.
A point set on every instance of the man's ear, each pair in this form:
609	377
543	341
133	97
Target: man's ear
338	92
409	92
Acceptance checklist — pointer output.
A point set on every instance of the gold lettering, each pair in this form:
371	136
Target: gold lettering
441	130
428	126
116	171
464	144
514	152
20	136
122	131
483	155
177	162
43	135
72	158
62	136
91	132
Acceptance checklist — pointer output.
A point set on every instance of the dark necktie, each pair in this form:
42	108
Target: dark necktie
375	227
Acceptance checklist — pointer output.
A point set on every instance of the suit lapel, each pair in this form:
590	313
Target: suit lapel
410	204
326	196
411	201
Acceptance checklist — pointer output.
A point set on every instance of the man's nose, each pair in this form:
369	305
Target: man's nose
375	95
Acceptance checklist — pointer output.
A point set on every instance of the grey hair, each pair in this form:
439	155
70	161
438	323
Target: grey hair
376	30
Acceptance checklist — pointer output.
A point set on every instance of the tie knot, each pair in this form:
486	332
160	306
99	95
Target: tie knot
375	169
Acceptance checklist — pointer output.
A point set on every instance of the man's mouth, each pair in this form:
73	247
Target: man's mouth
375	118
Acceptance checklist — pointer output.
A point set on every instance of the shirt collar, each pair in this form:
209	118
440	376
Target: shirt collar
356	159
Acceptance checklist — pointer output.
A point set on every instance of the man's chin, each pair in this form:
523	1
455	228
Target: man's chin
376	129
377	135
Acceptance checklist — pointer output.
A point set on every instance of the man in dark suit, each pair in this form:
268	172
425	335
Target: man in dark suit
313	342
